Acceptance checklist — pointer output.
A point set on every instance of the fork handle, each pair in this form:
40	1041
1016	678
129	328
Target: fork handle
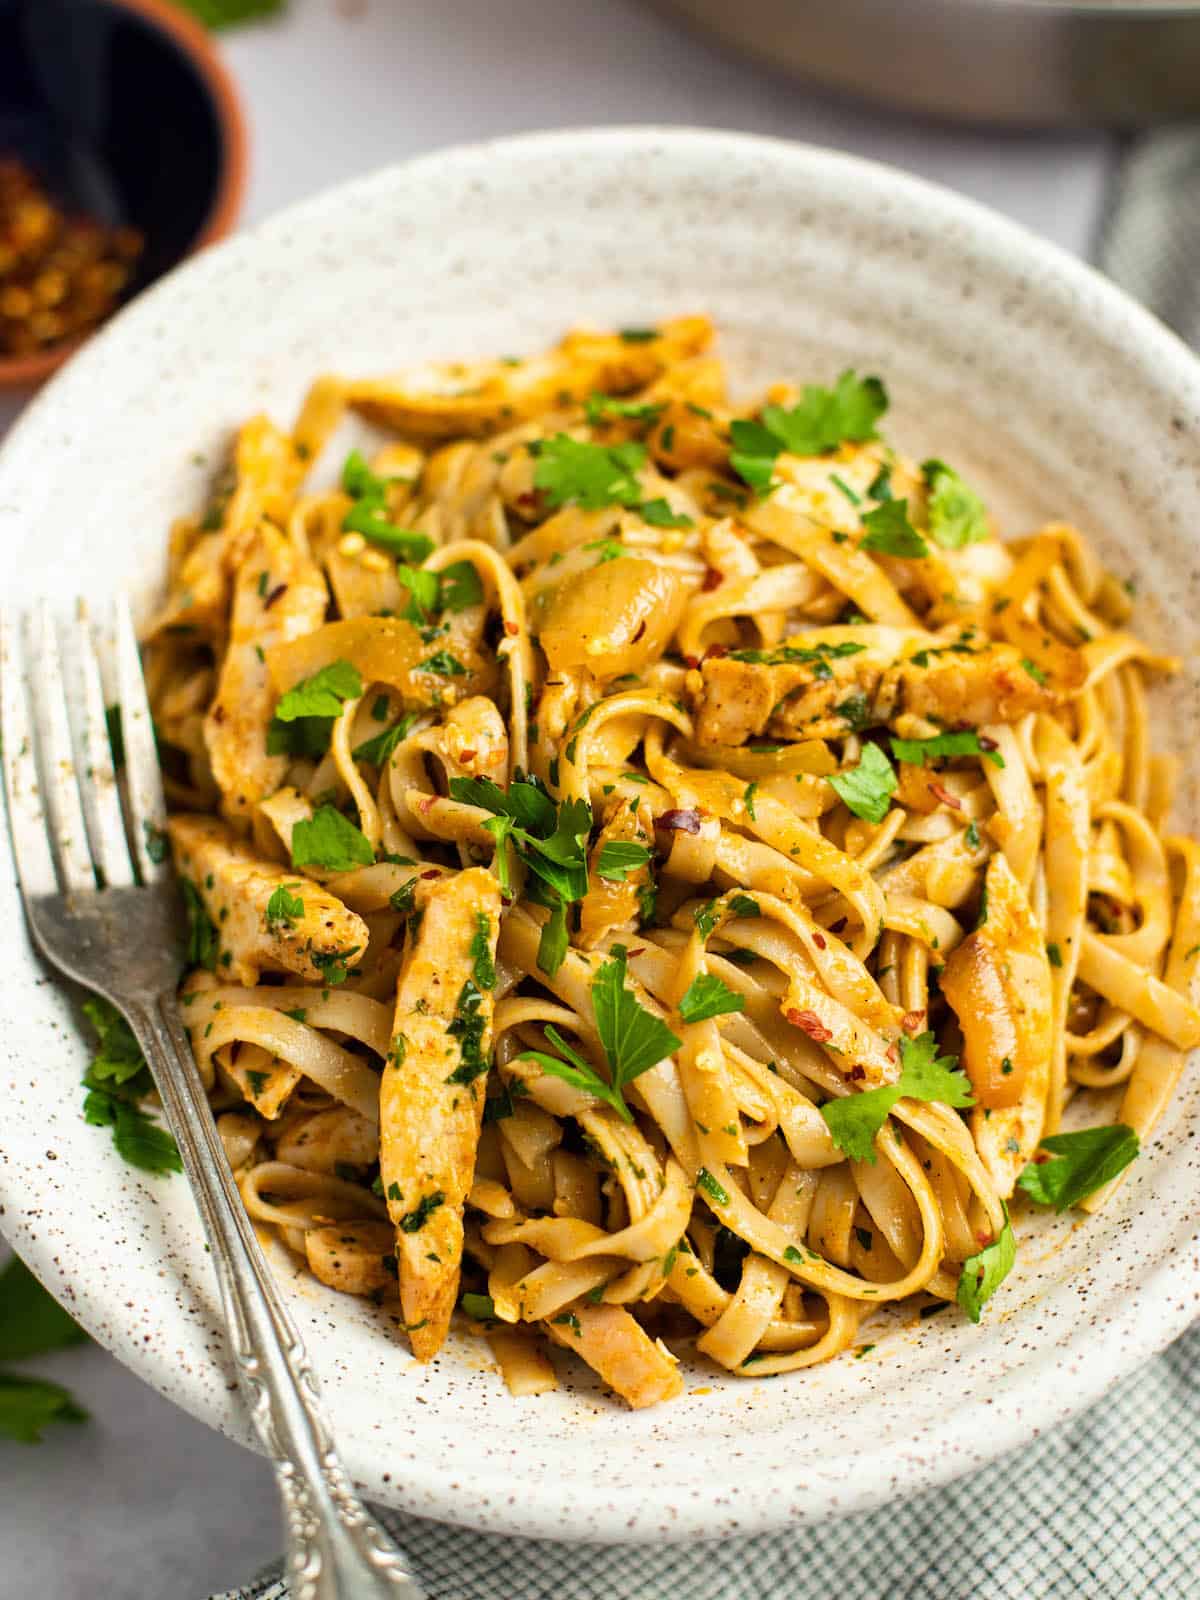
336	1550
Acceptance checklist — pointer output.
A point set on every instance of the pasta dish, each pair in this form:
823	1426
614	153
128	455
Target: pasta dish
659	870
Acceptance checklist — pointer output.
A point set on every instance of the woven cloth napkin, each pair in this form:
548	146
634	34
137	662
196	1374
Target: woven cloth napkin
1103	1508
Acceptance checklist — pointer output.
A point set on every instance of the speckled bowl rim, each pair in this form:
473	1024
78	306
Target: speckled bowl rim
1000	1414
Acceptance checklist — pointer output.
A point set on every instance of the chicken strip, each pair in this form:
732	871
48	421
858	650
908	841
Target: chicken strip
304	929
805	689
432	1091
998	984
279	595
614	1344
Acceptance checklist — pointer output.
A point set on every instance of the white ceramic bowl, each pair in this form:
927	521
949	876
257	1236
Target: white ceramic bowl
1005	357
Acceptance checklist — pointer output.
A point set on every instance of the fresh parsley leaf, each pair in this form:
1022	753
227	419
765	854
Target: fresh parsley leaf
27	1405
924	1075
378	750
31	1319
526	802
321	695
413	1221
707	996
1034	671
141	1142
708	1185
742	906
1054	955
469	1022
461	586
203	943
982	1274
572	472
483	967
443	664
1083	1162
964	743
425	590
866	789
330	840
891	533
573	1069
305	737
552	945
634	1040
119	1057
658	514
618	858
957	516
480	1306
283	906
819	422
602	406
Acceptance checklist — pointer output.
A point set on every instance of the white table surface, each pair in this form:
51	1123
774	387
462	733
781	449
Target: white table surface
143	1503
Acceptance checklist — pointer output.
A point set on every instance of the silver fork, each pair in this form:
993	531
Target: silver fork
103	908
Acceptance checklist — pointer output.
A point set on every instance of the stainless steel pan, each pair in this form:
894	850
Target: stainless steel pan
1022	62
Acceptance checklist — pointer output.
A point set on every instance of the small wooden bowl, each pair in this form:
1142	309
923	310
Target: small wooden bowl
178	149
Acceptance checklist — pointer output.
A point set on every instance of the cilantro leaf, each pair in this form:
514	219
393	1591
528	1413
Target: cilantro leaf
28	1404
924	1075
327	839
866	789
957	516
964	743
982	1274
321	695
283	906
617	858
634	1040
1083	1162
707	996
572	472
31	1319
891	533
378	750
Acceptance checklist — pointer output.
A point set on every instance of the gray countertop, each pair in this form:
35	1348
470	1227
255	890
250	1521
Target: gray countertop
143	1503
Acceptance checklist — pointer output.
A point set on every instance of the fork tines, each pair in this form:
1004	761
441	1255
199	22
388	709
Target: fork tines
76	823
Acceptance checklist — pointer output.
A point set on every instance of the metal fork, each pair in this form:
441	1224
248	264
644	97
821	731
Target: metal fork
103	908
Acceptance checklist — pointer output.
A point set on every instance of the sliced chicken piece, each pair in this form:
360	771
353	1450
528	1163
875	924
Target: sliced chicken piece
279	595
642	1371
236	887
355	1257
447	400
432	1091
328	1139
613	902
827	696
998	984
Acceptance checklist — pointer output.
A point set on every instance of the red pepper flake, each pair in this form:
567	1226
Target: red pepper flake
433	873
819	941
276	593
512	629
856	1073
1041	1157
691	662
527	499
983	1238
940	792
685	821
427	805
218	712
641	630
466	755
987	744
912	1020
715	652
713	579
810	1023
893	1053
640	951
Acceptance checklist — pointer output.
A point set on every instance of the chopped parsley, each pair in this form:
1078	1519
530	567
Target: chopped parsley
964	743
706	997
632	1038
572	472
1034	671
866	789
891	533
924	1075
283	906
600	407
480	1306
820	421
443	664
982	1274
117	1081
957	516
202	942
708	1185
1083	1162
816	656
329	840
378	750
413	1221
